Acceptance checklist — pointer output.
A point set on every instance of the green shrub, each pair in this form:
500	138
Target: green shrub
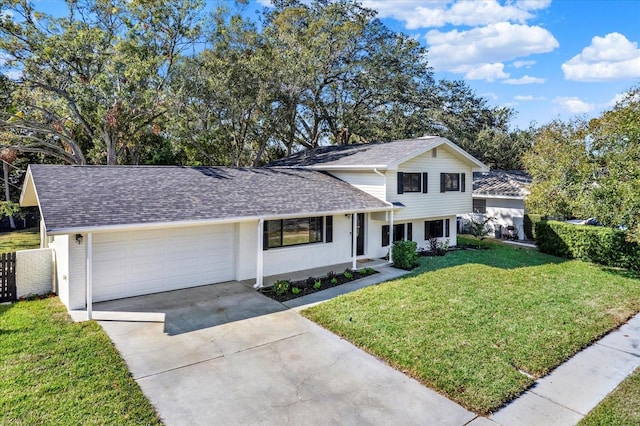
595	244
405	254
317	284
366	271
295	290
348	274
334	281
530	221
280	287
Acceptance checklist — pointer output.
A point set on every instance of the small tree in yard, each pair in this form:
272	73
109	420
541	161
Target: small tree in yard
479	229
405	255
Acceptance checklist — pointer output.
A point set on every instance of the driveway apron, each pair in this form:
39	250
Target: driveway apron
226	354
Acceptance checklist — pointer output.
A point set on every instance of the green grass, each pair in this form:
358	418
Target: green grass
620	407
54	371
19	240
469	324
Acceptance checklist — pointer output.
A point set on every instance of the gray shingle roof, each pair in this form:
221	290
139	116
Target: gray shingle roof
85	197
502	183
370	154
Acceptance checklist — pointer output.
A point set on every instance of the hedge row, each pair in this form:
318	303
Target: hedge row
595	244
530	221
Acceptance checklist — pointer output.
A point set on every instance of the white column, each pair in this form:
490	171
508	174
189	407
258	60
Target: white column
259	255
89	279
391	236
354	239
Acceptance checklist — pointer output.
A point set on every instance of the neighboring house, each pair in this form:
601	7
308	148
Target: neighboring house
501	195
121	231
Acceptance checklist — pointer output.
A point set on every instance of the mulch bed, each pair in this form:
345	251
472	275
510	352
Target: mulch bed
307	286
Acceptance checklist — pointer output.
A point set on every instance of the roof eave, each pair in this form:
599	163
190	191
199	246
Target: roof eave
204	222
505	197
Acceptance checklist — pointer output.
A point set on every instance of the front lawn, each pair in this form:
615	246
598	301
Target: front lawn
54	371
480	326
620	407
19	240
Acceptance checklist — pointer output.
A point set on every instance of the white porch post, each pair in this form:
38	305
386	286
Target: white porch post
89	279
259	255
391	236
354	239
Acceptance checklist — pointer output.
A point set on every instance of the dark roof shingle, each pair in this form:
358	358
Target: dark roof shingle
514	183
369	154
83	197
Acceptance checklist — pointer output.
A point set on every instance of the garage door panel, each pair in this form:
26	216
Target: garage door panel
142	262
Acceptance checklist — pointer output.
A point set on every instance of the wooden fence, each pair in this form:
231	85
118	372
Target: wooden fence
7	277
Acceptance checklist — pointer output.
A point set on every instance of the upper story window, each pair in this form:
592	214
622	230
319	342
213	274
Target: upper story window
452	182
292	232
412	182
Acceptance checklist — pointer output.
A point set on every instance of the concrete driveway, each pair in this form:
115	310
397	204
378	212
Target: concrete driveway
227	355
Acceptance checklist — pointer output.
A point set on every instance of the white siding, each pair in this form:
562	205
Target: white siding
507	212
296	258
34	272
247	246
77	273
60	246
434	203
376	250
369	182
504	211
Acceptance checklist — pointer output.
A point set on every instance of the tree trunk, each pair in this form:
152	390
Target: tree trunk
5	169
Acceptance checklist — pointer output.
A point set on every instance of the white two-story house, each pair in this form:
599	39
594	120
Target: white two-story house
121	231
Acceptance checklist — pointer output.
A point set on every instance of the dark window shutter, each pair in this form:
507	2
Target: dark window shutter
425	183
443	182
447	223
463	181
265	235
409	231
385	235
329	229
400	183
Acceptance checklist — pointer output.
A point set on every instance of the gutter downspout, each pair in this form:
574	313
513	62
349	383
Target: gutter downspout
260	255
384	176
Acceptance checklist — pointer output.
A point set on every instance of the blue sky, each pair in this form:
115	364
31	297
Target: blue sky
545	59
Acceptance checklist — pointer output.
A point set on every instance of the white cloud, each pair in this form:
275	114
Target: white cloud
612	57
493	43
623	98
525	80
490	95
528	98
488	72
523	64
436	13
573	104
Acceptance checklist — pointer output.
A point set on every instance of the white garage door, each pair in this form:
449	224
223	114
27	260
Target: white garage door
141	262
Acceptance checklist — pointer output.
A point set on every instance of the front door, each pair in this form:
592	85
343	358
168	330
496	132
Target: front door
360	231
